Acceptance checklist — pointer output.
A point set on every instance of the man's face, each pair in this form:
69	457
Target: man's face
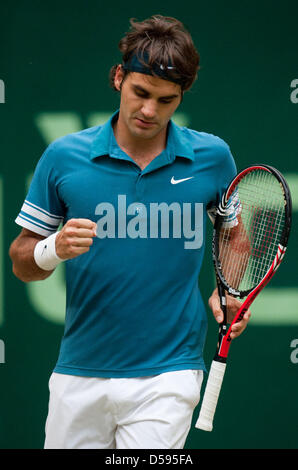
147	103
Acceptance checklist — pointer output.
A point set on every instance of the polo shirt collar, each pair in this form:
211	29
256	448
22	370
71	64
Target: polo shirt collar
105	143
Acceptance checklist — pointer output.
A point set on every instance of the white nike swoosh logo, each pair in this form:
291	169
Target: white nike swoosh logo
173	181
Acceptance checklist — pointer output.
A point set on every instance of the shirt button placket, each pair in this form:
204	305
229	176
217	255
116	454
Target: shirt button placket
140	187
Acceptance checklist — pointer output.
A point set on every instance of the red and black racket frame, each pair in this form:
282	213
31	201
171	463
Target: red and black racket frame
224	339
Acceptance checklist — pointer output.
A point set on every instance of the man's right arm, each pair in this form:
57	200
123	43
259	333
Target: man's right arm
21	253
74	239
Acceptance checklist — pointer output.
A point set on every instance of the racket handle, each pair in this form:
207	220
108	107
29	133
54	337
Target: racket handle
212	391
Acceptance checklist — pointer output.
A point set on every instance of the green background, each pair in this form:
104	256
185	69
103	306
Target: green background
54	62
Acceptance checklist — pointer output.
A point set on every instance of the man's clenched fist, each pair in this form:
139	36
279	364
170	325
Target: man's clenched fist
75	238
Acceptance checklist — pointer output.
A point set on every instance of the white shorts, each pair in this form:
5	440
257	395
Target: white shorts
132	413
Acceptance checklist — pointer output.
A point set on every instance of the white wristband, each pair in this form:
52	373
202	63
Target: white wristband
45	253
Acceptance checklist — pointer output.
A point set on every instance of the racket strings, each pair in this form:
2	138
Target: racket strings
247	250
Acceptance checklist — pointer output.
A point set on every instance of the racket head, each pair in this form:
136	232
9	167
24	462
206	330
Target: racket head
258	203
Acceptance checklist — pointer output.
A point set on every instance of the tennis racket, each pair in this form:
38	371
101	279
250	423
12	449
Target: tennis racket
250	237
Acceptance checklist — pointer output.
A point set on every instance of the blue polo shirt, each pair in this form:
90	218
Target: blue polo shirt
133	305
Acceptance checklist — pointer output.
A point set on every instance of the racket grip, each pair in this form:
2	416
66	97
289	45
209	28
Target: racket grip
212	391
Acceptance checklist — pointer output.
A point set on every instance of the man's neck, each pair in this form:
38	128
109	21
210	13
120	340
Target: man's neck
141	150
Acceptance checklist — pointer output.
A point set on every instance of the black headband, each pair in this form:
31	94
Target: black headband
133	64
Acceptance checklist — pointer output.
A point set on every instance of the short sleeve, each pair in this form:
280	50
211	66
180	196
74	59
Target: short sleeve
43	211
225	170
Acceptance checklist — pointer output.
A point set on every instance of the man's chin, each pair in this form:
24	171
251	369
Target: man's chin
139	129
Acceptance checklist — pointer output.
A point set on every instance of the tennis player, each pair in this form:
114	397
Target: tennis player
132	197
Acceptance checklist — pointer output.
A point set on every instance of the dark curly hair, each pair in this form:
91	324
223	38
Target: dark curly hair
163	40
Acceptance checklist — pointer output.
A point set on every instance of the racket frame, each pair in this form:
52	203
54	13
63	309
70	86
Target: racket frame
218	366
223	287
